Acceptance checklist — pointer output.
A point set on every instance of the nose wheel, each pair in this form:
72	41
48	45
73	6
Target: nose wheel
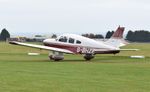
56	56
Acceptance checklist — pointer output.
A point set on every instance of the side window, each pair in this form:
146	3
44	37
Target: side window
63	39
56	39
78	42
71	40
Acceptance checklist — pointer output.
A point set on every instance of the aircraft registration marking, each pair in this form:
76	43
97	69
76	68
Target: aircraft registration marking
84	50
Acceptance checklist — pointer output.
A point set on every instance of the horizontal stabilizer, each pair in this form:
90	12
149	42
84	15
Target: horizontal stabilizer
129	49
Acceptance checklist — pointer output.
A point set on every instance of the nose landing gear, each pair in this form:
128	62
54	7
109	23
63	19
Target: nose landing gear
56	56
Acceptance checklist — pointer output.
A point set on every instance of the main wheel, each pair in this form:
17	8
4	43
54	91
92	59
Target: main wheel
88	57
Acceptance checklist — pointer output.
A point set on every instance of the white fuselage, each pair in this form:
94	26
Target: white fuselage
79	44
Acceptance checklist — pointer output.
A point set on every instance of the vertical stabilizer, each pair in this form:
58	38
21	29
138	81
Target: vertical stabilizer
116	39
118	33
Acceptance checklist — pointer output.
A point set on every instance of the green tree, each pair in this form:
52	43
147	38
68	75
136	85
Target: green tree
4	35
54	36
130	35
99	36
85	35
138	36
109	34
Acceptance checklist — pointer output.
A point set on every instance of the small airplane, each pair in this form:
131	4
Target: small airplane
76	44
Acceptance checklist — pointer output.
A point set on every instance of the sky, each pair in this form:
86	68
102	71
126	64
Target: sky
73	16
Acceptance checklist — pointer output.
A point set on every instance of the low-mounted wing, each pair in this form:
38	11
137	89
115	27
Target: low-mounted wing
41	47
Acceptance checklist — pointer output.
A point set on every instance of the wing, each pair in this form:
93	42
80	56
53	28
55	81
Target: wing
41	47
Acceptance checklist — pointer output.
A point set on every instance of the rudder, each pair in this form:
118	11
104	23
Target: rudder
118	33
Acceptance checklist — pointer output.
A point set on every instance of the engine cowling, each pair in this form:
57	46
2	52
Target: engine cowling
88	56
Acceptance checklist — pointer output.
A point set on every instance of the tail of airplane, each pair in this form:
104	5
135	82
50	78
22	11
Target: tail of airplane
118	34
116	39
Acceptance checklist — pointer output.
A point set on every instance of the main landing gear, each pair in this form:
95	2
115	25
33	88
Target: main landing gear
88	56
57	56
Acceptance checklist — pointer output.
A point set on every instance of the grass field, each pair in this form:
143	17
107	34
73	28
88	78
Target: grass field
105	73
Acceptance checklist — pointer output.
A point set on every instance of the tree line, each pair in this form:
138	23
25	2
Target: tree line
138	36
99	36
93	36
133	36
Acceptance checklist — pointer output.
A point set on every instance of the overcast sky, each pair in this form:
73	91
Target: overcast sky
73	16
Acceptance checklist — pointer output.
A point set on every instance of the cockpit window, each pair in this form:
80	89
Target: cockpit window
78	42
63	39
71	40
56	39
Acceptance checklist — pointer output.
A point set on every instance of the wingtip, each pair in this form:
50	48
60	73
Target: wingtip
12	42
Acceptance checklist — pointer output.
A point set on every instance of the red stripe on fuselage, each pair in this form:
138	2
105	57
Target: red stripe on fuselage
74	48
67	47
